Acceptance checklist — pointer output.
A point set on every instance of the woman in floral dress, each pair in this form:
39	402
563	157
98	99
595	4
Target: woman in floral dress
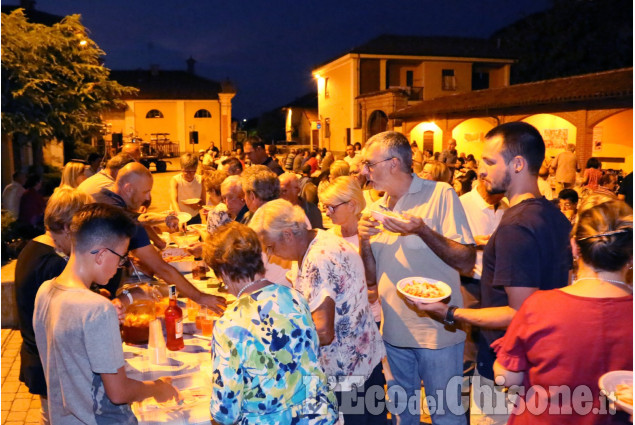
265	347
330	275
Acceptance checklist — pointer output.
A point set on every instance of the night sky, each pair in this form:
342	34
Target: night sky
268	48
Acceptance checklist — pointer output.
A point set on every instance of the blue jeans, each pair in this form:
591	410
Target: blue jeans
442	373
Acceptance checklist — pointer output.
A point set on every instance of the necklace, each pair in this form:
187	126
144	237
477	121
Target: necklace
616	282
248	285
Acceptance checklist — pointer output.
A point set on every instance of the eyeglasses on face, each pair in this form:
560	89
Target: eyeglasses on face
123	259
331	208
369	165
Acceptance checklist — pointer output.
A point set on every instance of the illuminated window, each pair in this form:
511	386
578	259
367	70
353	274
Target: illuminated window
154	113
449	80
202	113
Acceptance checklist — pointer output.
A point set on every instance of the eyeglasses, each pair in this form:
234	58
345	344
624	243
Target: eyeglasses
331	208
369	165
123	259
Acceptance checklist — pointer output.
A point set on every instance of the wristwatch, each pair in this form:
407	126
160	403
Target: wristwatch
449	315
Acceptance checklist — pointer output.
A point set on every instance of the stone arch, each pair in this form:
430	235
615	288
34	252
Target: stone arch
556	130
377	122
470	135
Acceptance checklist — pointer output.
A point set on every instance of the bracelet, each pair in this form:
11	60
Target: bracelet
449	315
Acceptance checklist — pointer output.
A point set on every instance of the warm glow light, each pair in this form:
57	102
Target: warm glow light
83	43
428	126
316	76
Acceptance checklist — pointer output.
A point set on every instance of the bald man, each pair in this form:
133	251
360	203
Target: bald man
290	190
132	188
133	150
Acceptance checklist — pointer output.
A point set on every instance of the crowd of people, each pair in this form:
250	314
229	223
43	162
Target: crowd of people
537	281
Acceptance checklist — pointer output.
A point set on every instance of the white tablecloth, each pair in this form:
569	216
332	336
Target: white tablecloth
189	367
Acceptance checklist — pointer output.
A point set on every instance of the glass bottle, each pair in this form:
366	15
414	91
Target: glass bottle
174	323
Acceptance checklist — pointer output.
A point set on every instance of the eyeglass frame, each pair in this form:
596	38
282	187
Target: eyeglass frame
123	259
368	165
331	208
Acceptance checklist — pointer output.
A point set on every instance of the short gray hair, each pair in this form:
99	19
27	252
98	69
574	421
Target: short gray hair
397	146
262	182
275	216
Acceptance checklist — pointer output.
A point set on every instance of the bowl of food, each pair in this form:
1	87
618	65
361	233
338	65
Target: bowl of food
201	229
178	258
184	239
380	216
618	387
423	289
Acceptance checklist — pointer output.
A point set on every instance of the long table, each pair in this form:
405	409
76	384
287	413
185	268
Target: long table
190	369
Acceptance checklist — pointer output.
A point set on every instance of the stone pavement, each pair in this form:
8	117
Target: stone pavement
18	405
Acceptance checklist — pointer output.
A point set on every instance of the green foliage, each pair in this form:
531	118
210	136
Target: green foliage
573	37
53	83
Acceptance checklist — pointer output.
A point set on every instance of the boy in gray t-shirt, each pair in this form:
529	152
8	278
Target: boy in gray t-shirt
77	330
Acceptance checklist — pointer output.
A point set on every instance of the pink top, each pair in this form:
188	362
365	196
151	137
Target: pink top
593	175
562	339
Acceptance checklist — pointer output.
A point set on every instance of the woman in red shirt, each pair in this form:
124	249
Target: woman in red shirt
592	173
561	341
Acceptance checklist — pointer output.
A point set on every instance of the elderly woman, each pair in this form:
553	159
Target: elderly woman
565	339
344	202
39	261
436	171
264	348
73	173
330	275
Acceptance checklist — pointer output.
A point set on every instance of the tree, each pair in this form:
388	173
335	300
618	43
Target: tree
573	37
54	85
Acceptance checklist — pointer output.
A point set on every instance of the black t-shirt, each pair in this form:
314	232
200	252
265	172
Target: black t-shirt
36	264
530	248
273	165
626	189
140	238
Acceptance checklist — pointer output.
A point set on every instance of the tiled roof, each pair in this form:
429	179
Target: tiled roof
168	84
610	88
432	46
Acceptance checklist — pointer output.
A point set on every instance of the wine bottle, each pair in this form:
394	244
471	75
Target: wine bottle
174	323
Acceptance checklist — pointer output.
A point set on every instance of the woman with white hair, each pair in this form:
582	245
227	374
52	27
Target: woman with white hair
344	202
330	275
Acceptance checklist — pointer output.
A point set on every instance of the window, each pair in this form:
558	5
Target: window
202	113
480	80
448	79
409	78
154	113
326	87
327	128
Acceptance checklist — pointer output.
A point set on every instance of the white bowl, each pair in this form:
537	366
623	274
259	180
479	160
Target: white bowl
191	201
380	216
201	229
609	382
426	300
182	266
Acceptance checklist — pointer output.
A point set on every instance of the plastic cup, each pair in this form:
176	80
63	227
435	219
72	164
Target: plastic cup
207	325
192	310
200	315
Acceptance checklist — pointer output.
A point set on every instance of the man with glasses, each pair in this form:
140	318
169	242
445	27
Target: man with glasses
187	186
433	241
131	189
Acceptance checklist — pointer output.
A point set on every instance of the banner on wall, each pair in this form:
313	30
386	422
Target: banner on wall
597	138
474	137
556	138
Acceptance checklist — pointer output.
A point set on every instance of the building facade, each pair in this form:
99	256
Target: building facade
592	111
172	107
358	91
